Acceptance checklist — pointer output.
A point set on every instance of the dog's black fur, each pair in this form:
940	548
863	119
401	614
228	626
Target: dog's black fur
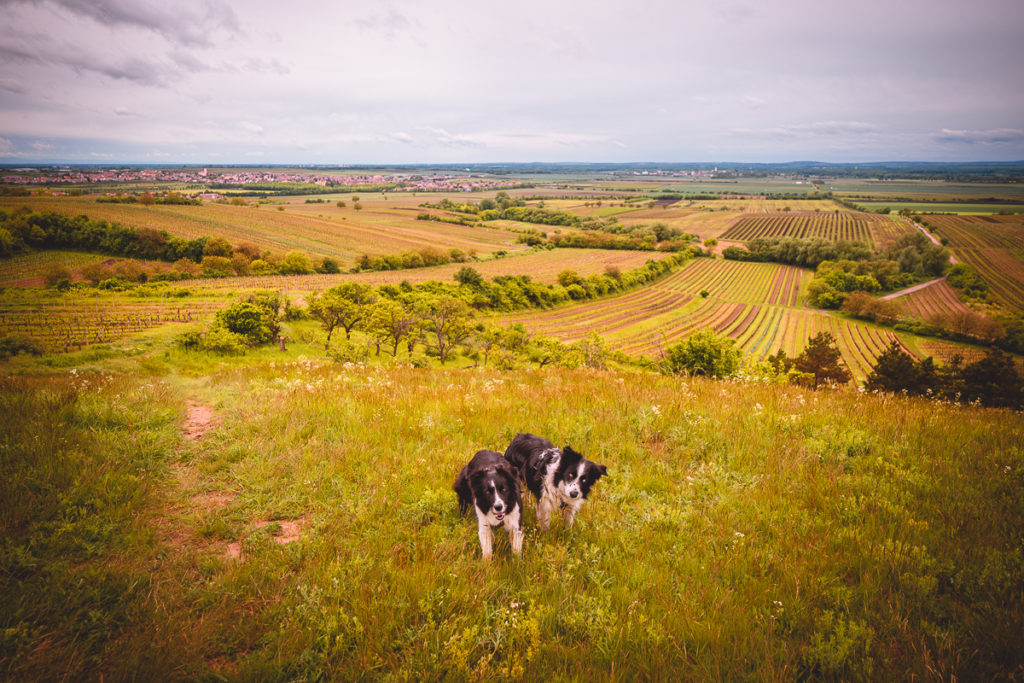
557	478
491	485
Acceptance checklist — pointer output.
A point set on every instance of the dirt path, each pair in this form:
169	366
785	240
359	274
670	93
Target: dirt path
910	290
199	419
935	240
205	498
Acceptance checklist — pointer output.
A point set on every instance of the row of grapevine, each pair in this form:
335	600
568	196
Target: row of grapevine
937	298
830	226
979	232
741	281
992	245
74	326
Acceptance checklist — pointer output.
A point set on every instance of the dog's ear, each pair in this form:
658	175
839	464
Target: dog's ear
602	469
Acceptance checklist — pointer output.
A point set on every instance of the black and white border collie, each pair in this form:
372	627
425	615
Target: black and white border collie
558	478
491	485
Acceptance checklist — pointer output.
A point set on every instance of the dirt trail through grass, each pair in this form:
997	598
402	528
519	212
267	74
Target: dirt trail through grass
199	419
206	499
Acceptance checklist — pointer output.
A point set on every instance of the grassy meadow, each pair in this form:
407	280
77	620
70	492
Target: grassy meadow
285	517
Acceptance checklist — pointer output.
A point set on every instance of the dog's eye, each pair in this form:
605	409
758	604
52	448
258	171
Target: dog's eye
571	476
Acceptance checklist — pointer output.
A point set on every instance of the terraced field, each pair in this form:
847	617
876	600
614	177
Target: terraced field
843	225
994	246
757	304
380	227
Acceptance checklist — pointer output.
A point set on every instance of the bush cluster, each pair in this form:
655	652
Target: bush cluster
994	380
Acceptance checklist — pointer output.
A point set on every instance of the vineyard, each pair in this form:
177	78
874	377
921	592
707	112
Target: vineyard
843	225
934	299
992	245
26	270
756	304
71	323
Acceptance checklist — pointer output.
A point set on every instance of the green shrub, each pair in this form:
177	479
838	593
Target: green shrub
223	342
13	344
704	353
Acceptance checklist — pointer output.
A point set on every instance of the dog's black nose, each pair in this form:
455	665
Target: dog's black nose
574	494
498	507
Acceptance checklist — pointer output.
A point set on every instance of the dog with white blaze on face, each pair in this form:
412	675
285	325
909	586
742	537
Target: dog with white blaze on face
557	477
491	485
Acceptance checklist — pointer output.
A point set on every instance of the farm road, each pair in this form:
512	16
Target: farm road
935	240
910	290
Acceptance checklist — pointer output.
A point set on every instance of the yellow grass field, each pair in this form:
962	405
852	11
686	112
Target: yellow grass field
381	227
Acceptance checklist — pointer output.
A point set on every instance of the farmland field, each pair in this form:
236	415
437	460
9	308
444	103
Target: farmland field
73	321
541	266
924	189
25	270
994	246
963	208
757	304
381	227
936	298
831	226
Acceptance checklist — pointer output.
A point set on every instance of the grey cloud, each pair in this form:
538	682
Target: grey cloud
11	85
265	66
999	136
833	128
389	22
182	25
135	69
817	128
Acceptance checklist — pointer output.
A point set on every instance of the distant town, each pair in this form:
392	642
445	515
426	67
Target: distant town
204	177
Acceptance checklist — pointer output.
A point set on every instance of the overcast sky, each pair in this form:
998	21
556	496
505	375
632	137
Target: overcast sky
225	81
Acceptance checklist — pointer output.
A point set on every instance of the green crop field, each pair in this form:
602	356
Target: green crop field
994	246
964	208
930	190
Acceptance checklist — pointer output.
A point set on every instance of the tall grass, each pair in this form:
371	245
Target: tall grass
744	530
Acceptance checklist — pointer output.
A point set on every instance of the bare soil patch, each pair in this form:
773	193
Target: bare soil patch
199	420
291	529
